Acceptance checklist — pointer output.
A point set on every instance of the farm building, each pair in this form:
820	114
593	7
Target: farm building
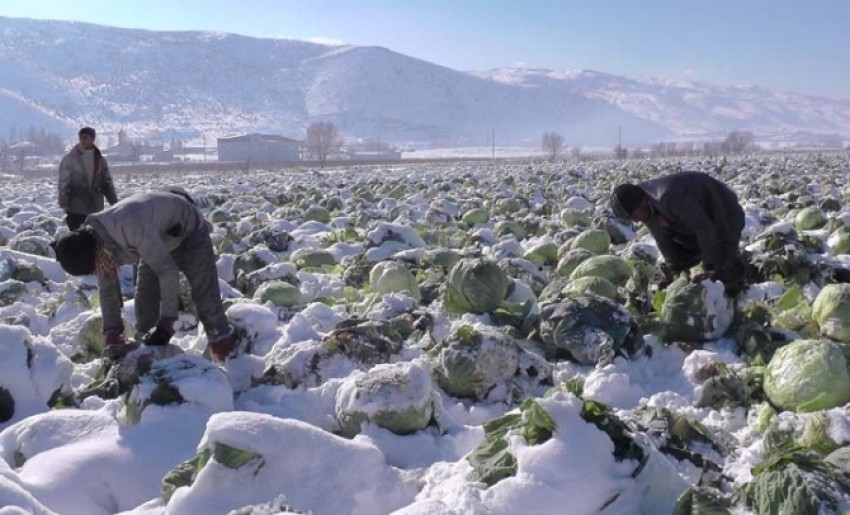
258	148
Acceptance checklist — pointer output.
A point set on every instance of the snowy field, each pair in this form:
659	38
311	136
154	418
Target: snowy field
454	339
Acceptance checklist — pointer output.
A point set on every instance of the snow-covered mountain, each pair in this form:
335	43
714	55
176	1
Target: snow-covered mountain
692	108
64	74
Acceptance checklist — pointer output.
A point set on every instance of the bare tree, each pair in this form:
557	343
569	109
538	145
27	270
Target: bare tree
737	142
322	137
552	144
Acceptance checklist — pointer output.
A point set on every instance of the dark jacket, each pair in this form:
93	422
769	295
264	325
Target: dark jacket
700	220
76	194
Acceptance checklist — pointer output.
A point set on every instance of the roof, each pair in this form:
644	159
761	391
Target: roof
257	136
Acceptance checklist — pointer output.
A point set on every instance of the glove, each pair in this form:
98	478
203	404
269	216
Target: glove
159	335
223	349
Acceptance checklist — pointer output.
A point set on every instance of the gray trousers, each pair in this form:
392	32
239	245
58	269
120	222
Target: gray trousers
195	258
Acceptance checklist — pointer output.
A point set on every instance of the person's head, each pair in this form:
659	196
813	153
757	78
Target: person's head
75	252
630	202
87	136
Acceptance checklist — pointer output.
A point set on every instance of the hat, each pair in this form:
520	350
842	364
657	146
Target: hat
626	198
75	252
87	130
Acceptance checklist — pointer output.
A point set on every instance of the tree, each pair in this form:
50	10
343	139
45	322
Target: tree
552	144
737	142
322	137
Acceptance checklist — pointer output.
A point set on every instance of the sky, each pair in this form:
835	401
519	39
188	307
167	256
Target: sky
801	46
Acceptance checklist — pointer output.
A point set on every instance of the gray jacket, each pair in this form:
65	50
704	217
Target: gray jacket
76	194
149	227
702	219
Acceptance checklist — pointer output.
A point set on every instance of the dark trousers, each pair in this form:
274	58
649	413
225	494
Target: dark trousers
196	260
74	220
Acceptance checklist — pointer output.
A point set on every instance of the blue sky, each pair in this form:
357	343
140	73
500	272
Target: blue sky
801	46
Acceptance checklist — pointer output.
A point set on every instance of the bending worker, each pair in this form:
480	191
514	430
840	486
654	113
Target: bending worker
165	234
694	218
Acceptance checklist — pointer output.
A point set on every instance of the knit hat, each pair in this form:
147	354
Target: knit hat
626	198
75	252
87	130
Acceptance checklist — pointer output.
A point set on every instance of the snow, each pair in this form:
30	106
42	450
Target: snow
301	462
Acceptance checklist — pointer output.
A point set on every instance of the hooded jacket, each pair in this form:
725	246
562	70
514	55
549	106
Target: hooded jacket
701	219
149	227
76	194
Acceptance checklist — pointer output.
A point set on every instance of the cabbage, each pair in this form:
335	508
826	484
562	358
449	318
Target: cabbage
695	312
613	268
471	362
476	216
808	375
280	293
544	253
506	228
831	312
571	260
444	258
310	258
475	286
397	397
575	218
317	214
596	285
594	240
393	277
590	329
839	242
809	218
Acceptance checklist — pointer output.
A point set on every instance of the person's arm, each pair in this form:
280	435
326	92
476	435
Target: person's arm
108	185
669	249
64	184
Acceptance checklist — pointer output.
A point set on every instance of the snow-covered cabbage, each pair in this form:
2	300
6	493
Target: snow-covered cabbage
312	258
575	218
839	242
594	240
696	312
473	362
280	293
397	397
831	311
809	218
808	375
476	216
475	286
588	328
612	268
393	277
317	214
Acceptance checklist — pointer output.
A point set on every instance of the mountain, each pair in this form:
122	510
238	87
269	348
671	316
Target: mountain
62	75
693	108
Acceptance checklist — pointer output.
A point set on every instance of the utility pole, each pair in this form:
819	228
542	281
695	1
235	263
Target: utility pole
493	141
619	137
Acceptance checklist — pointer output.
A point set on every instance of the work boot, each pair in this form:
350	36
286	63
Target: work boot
223	349
115	347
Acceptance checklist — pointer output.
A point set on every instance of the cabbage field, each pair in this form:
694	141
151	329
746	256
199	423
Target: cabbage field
467	338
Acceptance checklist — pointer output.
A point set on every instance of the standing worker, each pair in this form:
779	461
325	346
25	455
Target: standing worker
165	233
84	180
694	218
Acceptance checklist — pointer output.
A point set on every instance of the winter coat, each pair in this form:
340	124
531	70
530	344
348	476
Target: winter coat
76	194
701	220
149	227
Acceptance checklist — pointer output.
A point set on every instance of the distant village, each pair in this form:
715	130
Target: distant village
41	150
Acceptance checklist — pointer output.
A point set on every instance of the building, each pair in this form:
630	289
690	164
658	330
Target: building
258	148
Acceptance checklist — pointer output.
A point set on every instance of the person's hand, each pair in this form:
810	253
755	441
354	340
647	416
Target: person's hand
161	334
664	275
